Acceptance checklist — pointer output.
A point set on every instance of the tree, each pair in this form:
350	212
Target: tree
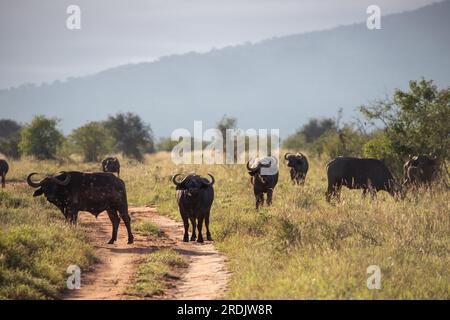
309	133
347	141
132	136
228	123
92	140
316	127
41	138
10	138
414	121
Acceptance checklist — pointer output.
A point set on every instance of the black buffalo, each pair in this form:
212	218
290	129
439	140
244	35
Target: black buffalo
371	175
262	183
195	196
420	170
74	191
3	171
299	167
111	164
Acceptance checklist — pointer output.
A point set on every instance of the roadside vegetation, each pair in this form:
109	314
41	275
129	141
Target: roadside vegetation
36	247
157	273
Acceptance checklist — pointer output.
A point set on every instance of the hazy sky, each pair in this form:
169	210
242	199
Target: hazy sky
36	46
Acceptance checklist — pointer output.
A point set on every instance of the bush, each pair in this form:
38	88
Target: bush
92	140
41	138
132	136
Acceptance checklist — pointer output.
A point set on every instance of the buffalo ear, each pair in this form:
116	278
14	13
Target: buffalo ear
38	192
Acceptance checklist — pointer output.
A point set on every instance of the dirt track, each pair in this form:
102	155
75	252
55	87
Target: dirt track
205	278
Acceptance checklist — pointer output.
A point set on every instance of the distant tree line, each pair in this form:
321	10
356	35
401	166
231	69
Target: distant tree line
415	121
124	133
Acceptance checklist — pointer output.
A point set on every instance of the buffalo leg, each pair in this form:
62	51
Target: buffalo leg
66	214
269	197
259	200
332	191
73	216
199	228
3	180
115	220
293	177
186	227
127	220
194	226
208	234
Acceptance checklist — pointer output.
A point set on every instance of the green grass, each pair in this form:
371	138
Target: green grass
36	247
155	273
147	228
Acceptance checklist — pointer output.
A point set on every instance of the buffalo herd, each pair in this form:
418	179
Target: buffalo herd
74	191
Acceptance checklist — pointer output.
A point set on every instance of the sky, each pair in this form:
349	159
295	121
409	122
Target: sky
36	46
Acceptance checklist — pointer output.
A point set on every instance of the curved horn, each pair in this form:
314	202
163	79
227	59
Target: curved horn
212	180
250	169
31	183
65	182
285	156
174	179
300	154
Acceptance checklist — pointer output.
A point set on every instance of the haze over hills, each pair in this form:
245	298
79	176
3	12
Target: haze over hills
277	83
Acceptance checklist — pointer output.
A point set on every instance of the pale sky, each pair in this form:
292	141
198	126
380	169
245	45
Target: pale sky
36	46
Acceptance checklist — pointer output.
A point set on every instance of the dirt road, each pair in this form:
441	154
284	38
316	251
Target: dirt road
205	278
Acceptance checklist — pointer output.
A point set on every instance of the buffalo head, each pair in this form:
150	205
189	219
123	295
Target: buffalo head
193	183
50	186
294	160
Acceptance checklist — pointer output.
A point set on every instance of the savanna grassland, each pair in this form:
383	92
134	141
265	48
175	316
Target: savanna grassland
300	248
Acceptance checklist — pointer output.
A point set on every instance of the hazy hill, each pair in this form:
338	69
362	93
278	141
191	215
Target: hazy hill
277	83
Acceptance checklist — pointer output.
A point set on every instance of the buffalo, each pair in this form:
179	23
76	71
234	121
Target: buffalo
111	164
420	170
299	167
371	175
3	171
195	196
263	182
75	191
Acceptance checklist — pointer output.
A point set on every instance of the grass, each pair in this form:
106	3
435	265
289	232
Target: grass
36	247
304	248
147	228
301	247
156	272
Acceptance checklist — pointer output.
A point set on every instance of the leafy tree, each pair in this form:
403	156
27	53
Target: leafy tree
309	133
316	127
132	136
295	141
347	141
166	144
415	121
92	140
8	128
41	138
226	123
10	138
